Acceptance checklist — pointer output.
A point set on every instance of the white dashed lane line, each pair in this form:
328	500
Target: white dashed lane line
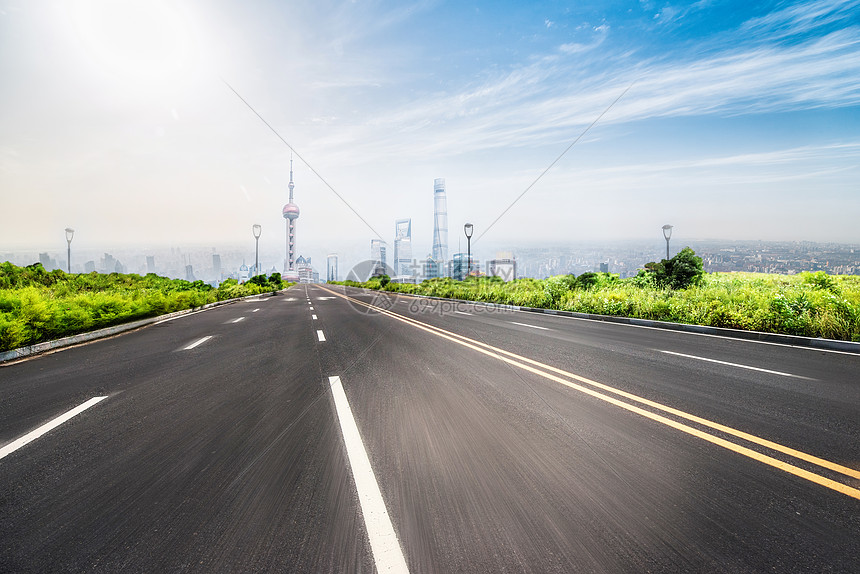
736	365
196	343
47	427
527	325
320	336
384	544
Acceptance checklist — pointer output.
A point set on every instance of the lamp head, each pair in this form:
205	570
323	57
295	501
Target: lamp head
667	231
468	228
69	234
257	230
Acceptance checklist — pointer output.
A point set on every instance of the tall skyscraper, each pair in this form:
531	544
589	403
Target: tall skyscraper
440	221
331	265
216	266
291	213
403	247
378	256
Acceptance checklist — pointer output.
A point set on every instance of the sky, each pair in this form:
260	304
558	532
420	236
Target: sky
727	119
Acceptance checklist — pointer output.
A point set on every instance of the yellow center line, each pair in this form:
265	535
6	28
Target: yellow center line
530	366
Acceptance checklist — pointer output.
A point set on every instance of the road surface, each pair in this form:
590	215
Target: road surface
328	429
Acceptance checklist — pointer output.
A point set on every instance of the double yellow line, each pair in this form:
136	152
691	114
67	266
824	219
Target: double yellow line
567	379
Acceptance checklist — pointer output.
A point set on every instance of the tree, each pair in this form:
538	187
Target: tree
683	270
260	280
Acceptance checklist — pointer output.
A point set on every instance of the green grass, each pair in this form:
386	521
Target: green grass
808	304
37	305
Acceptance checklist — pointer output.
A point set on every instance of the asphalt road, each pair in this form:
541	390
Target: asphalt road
493	441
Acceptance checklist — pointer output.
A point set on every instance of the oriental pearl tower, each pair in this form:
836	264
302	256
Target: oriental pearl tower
291	213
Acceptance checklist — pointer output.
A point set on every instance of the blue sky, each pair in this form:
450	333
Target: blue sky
742	120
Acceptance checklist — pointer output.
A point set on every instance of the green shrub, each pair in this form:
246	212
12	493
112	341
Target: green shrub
37	305
809	304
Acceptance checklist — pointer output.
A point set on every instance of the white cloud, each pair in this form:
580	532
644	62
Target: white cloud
549	100
801	18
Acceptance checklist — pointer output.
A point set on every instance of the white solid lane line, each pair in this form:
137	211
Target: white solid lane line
464	313
33	435
197	342
383	539
737	365
320	336
237	320
527	325
255	310
314	317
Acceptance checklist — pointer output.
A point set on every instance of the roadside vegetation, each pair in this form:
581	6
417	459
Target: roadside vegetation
676	290
38	305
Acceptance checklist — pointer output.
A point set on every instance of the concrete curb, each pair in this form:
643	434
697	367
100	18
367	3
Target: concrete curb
794	340
29	350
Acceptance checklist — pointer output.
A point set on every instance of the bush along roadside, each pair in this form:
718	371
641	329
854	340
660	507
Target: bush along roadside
38	305
810	304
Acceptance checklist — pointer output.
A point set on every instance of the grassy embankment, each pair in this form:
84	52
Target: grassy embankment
808	304
37	305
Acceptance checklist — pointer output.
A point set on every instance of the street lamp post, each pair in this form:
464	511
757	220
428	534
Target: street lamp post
467	229
667	233
257	230
69	234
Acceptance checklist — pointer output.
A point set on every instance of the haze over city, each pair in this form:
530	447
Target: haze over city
740	122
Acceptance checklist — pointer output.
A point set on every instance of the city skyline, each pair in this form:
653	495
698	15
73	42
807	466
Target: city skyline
739	121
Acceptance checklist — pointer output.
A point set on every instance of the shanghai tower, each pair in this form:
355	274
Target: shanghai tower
440	222
291	213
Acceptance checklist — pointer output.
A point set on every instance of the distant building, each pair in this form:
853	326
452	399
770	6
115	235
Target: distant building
304	270
331	267
150	264
89	267
189	273
440	221
505	268
604	267
378	256
48	262
432	268
457	265
108	263
291	213
216	266
403	247
244	273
